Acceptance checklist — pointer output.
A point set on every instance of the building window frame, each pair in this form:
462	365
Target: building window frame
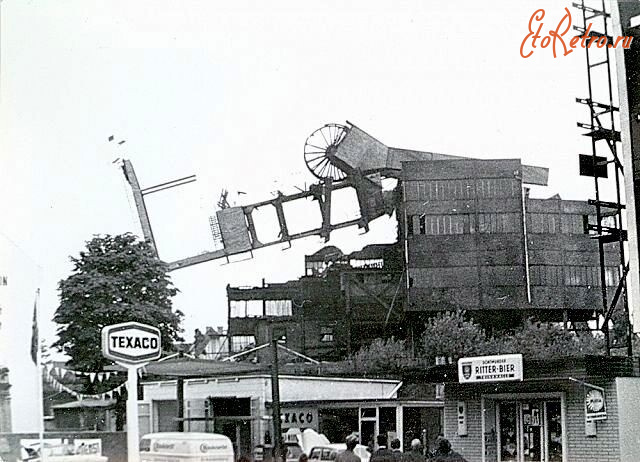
238	345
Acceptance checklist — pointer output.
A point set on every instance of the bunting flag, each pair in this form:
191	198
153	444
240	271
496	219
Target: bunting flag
55	383
62	372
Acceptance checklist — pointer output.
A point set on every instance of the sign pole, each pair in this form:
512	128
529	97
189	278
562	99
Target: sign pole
133	428
131	345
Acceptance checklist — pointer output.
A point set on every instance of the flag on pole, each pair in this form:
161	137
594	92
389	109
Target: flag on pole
37	359
34	334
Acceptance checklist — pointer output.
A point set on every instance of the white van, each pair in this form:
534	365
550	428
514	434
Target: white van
178	447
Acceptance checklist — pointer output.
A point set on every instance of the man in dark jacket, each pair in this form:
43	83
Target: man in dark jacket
445	454
383	453
415	454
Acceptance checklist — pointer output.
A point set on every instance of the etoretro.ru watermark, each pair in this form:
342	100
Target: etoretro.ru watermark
556	38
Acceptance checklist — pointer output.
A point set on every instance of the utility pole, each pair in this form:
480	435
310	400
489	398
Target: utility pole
180	399
275	398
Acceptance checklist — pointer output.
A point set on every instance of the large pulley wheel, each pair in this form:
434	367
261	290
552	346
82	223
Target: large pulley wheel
320	149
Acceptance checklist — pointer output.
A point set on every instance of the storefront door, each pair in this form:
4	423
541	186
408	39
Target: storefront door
368	426
529	430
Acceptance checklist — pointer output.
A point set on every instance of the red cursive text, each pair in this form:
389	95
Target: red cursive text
556	38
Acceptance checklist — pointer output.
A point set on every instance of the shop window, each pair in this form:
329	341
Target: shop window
508	432
336	423
278	308
423	423
387	421
524	430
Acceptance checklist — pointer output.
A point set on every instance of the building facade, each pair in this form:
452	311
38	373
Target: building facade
237	403
476	241
547	416
470	238
342	303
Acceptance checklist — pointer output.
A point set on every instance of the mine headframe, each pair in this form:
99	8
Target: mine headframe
234	226
339	156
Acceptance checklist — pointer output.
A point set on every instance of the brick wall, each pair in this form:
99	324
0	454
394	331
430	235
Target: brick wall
603	447
469	446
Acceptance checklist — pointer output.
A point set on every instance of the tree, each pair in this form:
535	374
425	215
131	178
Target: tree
116	279
537	340
381	354
452	336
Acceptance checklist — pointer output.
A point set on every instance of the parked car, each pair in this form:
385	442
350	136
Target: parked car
330	451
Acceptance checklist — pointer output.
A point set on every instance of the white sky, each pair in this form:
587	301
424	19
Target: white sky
230	91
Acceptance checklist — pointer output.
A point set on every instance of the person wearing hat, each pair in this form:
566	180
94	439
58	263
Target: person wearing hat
415	454
348	455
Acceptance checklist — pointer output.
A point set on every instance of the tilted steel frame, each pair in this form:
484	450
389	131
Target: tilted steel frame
321	192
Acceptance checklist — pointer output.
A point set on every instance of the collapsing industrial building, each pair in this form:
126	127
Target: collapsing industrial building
469	238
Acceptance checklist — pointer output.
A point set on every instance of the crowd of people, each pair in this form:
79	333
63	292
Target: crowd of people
443	452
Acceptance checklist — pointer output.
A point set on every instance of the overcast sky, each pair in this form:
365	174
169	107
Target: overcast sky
230	91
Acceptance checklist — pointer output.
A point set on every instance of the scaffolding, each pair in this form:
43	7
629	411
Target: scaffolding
604	135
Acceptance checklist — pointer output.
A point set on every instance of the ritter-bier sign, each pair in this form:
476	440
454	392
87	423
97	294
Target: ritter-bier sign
498	368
